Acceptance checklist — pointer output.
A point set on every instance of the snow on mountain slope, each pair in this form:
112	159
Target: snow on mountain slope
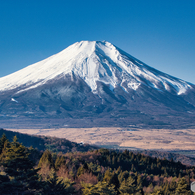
94	61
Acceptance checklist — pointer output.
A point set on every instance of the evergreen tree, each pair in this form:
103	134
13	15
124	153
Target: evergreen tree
107	176
139	186
123	176
158	191
69	186
46	159
182	187
173	185
114	180
18	167
2	142
101	188
54	186
5	184
3	152
128	187
59	162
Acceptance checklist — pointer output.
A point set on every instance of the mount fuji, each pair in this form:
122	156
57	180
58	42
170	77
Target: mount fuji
94	83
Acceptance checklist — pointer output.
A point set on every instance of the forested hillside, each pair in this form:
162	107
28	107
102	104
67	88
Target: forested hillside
63	145
94	172
42	143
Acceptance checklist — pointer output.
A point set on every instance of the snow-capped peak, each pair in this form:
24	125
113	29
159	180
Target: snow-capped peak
93	61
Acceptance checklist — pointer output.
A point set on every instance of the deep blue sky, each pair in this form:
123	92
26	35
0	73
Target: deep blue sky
161	33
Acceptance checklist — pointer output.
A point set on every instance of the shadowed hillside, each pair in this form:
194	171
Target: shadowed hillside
52	143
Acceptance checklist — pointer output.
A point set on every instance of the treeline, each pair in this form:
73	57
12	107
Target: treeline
63	145
96	172
188	160
42	143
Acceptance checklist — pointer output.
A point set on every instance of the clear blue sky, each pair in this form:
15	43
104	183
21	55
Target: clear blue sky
161	33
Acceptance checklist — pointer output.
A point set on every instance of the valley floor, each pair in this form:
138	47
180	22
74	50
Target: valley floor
124	138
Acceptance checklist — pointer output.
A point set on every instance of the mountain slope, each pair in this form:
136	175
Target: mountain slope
96	81
94	61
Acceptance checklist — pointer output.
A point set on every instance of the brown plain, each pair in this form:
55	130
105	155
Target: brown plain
154	139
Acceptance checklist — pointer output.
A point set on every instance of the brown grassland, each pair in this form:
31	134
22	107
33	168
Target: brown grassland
143	139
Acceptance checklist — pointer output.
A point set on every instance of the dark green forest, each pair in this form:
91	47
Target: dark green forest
27	170
42	143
